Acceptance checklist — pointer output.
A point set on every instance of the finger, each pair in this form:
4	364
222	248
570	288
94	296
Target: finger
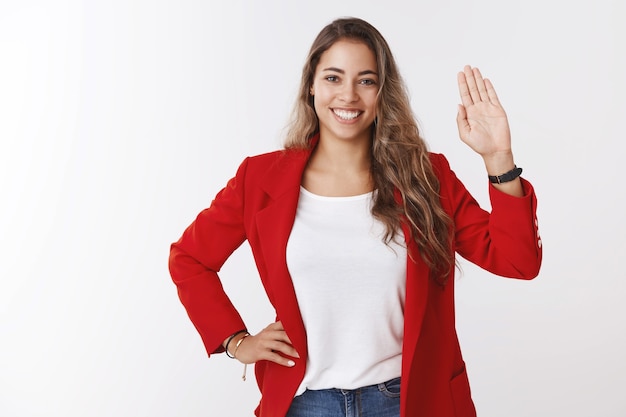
278	331
480	85
462	123
282	344
471	84
278	325
491	91
255	348
281	360
466	99
284	348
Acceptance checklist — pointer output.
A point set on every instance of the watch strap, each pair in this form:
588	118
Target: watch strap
506	177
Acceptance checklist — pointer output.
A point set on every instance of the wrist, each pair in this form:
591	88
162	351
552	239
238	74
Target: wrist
232	340
499	162
238	343
506	177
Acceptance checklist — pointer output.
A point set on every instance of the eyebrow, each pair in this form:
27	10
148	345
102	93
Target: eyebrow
340	71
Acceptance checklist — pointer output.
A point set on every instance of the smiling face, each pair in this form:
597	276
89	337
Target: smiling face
345	88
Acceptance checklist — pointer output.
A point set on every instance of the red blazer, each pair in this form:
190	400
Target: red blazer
259	205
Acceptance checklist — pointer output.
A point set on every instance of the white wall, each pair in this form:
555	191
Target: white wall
120	120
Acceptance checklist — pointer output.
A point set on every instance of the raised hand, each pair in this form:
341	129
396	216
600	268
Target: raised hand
484	127
481	120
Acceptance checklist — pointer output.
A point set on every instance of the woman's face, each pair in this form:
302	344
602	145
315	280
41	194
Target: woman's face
345	87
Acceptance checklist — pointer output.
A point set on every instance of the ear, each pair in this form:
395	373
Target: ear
311	91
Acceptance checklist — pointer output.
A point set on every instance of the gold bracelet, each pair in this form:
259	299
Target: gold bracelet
230	339
245	365
239	343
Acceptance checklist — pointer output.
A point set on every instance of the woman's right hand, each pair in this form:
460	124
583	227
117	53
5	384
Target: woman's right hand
271	344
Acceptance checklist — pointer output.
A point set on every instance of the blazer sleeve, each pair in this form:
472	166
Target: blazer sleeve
504	241
196	258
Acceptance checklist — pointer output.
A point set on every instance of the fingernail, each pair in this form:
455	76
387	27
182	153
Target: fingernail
291	363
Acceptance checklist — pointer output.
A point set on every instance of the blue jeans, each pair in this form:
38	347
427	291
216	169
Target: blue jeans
380	400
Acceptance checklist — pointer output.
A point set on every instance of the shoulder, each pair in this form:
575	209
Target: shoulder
440	165
274	158
275	166
449	184
263	160
438	159
267	156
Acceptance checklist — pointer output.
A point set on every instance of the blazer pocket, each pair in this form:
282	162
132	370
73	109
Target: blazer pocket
461	395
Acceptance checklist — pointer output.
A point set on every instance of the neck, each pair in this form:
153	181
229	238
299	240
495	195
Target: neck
342	156
339	168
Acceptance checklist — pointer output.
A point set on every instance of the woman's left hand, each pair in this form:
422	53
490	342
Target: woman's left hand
484	127
481	120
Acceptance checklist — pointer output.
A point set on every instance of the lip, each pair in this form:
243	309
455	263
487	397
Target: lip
346	112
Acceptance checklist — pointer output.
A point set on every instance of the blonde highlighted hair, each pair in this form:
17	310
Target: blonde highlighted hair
400	161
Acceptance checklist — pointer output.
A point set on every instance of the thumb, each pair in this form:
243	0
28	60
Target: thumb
461	122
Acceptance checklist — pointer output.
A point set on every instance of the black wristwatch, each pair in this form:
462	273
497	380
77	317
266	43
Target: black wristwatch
506	177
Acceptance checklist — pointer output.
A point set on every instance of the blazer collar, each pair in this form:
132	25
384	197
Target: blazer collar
286	173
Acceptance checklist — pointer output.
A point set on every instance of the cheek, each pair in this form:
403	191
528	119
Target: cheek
320	92
374	103
317	105
371	97
321	98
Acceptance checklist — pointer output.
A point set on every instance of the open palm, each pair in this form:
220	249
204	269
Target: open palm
482	122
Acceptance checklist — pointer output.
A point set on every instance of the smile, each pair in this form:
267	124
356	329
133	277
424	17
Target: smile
347	115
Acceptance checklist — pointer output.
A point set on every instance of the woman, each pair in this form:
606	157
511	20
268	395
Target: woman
354	228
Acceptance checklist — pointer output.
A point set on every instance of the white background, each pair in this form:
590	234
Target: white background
120	120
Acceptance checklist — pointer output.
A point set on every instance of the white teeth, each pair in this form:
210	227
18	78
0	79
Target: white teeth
346	115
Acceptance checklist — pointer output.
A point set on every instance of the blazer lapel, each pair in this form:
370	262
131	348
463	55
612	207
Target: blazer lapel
274	224
417	287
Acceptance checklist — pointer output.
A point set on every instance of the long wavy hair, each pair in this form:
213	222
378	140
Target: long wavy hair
400	161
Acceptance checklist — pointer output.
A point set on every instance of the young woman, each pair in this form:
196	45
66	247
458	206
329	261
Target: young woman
354	228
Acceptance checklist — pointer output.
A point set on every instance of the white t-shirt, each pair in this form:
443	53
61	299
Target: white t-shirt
350	287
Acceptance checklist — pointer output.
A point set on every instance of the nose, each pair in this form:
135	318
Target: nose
348	93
